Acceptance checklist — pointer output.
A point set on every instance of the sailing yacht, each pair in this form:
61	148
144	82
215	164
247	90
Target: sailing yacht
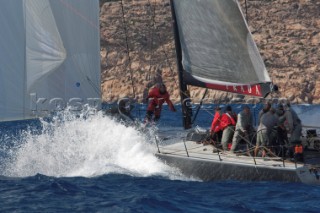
215	50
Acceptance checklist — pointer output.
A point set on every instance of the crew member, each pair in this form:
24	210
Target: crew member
227	124
158	96
265	136
294	128
215	131
281	137
265	109
243	127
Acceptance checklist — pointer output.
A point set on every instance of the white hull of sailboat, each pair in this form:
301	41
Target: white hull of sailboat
198	161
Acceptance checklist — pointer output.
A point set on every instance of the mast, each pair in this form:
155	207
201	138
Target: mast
184	93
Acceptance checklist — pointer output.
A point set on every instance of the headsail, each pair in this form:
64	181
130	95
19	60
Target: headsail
218	51
50	56
44	48
12	60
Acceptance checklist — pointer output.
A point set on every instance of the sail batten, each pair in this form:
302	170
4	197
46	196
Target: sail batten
217	47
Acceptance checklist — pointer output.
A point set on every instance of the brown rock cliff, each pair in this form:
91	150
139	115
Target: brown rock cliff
137	47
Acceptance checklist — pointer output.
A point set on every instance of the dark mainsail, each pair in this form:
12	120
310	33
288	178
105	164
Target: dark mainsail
218	51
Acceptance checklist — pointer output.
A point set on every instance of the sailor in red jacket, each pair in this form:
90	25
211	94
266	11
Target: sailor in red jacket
215	131
158	96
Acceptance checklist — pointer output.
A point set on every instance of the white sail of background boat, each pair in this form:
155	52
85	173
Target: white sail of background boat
50	56
215	50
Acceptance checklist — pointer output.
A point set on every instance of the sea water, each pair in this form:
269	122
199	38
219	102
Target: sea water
96	164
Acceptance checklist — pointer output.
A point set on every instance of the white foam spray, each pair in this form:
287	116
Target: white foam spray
87	147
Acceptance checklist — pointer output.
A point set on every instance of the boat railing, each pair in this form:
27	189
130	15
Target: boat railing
185	146
157	143
310	138
190	153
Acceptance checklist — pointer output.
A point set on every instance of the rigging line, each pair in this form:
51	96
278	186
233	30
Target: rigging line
80	15
208	112
98	90
154	28
127	46
163	49
250	142
166	55
195	116
168	61
159	37
254	145
152	32
93	85
245	2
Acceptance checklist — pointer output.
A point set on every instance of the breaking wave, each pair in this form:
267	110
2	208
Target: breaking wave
84	146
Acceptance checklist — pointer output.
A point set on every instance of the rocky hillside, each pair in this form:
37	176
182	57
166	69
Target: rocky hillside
137	47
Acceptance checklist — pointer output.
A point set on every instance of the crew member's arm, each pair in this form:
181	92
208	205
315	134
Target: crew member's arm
241	122
213	125
215	121
167	99
223	121
260	115
289	120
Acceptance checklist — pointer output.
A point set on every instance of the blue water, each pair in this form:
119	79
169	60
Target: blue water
99	165
123	193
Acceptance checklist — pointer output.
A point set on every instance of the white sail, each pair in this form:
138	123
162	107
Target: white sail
12	60
52	56
44	48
